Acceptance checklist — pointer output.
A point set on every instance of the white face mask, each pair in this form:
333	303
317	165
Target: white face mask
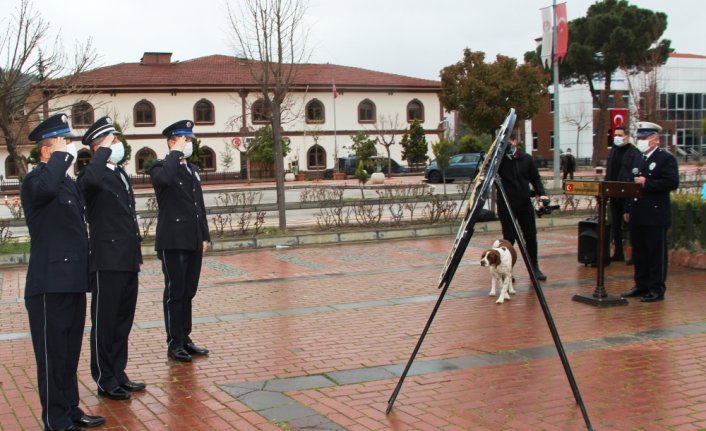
618	141
643	145
71	149
118	152
188	149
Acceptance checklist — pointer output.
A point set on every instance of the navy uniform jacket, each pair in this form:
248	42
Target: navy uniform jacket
181	220
110	208
54	214
653	208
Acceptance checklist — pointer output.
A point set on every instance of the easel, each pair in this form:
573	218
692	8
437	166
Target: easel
463	238
602	190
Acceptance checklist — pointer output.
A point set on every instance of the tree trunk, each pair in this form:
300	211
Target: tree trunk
279	164
601	140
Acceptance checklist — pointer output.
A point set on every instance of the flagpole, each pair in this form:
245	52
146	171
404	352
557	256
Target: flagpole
335	140
557	118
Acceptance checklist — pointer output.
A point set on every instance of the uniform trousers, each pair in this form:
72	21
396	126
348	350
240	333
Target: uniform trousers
524	215
616	225
113	302
56	322
649	253
182	269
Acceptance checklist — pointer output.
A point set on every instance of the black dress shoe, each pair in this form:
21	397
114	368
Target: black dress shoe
69	428
540	275
117	393
652	297
179	354
89	421
633	293
195	350
131	386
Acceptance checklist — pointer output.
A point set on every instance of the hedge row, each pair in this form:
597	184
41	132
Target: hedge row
688	228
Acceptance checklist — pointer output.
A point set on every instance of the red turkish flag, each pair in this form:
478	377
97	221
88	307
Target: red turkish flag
562	32
335	92
618	117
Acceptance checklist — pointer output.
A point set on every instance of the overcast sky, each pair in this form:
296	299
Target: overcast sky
408	37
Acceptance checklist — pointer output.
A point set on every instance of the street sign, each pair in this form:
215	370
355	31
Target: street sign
236	142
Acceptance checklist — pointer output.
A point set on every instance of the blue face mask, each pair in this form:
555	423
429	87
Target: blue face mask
118	152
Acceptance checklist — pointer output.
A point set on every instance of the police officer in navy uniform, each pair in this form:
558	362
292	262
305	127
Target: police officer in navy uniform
650	215
114	261
57	276
182	236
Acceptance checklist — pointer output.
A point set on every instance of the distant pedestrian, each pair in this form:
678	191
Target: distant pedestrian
568	164
182	236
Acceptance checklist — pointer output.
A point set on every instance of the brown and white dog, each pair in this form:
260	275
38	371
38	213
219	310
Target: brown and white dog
500	260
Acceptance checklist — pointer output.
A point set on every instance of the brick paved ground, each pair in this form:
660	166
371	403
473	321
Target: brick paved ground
315	338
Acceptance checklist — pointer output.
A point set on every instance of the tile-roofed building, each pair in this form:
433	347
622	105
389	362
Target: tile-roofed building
219	93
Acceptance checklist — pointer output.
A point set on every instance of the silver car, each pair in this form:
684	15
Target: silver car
461	166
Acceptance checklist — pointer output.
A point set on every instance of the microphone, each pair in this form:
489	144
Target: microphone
635	172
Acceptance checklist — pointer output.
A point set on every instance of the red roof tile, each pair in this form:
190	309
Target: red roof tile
678	55
224	71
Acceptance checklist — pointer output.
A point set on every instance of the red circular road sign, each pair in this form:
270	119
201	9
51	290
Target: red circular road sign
236	142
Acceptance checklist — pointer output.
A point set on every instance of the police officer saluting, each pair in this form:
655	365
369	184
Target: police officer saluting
115	259
182	236
57	276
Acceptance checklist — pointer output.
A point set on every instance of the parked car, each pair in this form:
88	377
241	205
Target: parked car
461	166
377	164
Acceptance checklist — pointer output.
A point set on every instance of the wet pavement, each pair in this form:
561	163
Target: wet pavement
315	338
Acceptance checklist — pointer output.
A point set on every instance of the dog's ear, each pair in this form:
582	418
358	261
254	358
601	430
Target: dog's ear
493	257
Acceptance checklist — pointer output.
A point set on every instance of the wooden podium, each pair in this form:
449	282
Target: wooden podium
602	190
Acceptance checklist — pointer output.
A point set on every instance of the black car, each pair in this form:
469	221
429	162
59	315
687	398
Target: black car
375	163
461	166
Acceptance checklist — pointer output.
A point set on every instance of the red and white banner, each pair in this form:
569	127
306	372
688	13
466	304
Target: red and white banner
547	36
618	117
562	32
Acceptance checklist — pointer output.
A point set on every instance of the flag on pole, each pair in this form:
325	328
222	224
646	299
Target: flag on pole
335	92
562	32
547	36
618	117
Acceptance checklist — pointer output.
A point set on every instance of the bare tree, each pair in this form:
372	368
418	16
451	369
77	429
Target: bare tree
270	35
644	89
33	73
578	119
386	128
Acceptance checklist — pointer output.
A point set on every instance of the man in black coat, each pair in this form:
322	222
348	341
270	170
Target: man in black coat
624	160
57	276
650	215
115	259
182	236
517	171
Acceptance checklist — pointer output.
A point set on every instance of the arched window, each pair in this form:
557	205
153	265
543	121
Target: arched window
143	114
82	159
316	157
208	158
415	111
366	111
204	112
261	112
81	115
315	112
11	170
144	159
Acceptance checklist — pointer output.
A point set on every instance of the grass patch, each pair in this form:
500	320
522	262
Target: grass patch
14	247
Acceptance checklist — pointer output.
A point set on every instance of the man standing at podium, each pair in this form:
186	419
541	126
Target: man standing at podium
650	215
623	159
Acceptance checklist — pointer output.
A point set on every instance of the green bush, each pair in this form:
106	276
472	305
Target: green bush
688	228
